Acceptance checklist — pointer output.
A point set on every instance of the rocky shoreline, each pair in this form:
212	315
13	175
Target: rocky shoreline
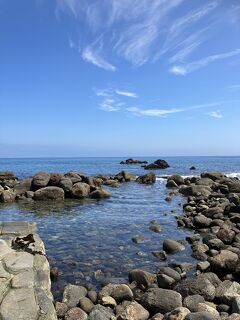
212	210
58	186
177	291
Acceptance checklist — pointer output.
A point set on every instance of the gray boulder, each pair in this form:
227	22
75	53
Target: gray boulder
66	184
49	193
72	294
172	246
80	190
101	313
149	178
40	180
100	194
161	300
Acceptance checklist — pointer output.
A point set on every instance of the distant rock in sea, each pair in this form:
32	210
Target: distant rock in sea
158	164
132	161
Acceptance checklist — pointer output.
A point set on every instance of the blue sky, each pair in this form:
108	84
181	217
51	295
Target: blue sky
119	77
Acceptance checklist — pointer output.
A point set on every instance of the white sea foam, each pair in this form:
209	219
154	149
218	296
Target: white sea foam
233	175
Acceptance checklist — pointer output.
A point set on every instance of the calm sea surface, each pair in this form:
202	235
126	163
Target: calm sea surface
91	241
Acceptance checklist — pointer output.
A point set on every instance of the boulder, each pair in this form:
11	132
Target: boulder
226	235
227	291
195	190
100	194
158	164
86	304
75	314
212	175
133	311
191	302
7	196
124	176
200	286
149	178
80	190
142	277
49	193
177	179
7	175
40	180
72	294
74	176
161	300
225	261
177	314
122	292
66	184
200	316
55	179
132	161
101	313
172	246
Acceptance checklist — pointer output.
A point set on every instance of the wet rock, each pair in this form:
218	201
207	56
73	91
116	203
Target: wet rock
101	313
191	302
172	246
124	176
160	255
7	175
149	178
177	179
158	164
161	300
225	261
192	168
72	294
40	180
171	184
49	193
201	221
200	286
155	227
142	277
165	282
100	194
75	314
55	273
139	239
80	190
7	196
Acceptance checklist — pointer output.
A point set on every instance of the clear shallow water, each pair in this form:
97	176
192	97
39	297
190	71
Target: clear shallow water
83	238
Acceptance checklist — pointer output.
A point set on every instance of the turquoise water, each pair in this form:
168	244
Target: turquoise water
91	241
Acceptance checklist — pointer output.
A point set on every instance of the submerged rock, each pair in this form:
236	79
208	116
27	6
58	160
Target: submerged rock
149	178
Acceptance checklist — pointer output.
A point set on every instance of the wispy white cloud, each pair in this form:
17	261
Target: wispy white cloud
178	31
215	114
126	93
110	105
193	66
93	57
152	112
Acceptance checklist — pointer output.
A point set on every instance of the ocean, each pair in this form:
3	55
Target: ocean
91	241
